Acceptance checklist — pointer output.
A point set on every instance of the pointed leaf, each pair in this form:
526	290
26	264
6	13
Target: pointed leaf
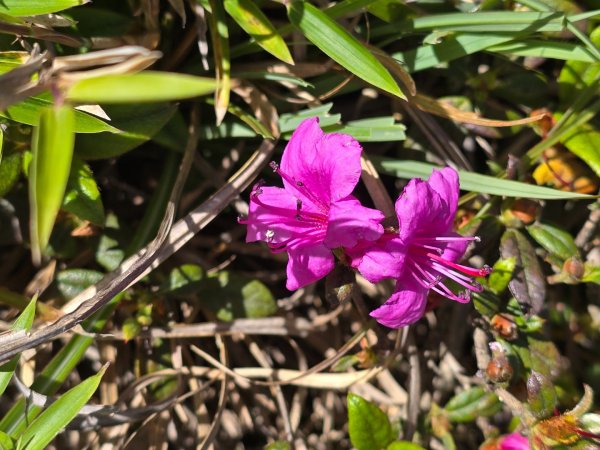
146	86
28	112
58	415
52	149
219	34
528	284
475	182
368	426
472	403
333	40
21	8
556	241
257	25
541	395
23	322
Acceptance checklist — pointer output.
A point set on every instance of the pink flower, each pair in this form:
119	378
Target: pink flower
314	212
514	441
422	254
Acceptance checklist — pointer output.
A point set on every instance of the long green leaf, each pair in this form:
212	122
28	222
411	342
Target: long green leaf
58	415
29	110
219	34
257	25
52	149
21	8
333	40
24	323
146	86
470	181
545	49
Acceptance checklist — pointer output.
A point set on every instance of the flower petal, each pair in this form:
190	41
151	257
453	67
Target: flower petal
350	222
405	306
328	165
445	183
378	260
514	441
422	212
307	265
275	222
453	251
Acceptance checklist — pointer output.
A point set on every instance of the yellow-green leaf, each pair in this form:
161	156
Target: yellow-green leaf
252	20
333	40
219	34
52	151
21	8
146	86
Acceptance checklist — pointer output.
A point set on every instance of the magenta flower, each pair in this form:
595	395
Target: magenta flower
314	212
514	441
422	254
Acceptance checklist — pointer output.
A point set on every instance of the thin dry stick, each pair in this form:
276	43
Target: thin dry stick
137	266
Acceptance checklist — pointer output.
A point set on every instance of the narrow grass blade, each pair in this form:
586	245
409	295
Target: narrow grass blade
58	415
52	149
24	323
475	182
545	49
21	8
220	41
146	86
333	40
253	21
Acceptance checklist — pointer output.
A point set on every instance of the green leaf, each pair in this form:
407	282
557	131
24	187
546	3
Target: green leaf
219	33
22	323
591	274
368	426
555	240
376	129
541	395
333	40
21	8
183	280
403	445
503	270
545	49
52	150
82	197
58	415
10	169
472	403
232	296
110	253
28	112
71	282
452	47
131	328
146	86
253	21
475	182
584	142
528	284
138	124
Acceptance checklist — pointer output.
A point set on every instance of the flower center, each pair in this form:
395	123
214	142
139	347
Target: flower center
429	268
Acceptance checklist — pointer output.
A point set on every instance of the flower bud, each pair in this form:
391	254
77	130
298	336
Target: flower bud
574	268
504	326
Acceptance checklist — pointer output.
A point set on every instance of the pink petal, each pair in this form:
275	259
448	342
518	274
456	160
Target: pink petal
445	183
422	211
514	441
350	222
327	164
278	220
453	251
307	265
405	306
378	260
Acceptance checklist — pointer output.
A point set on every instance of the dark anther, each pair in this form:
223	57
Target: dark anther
274	166
298	204
299	183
